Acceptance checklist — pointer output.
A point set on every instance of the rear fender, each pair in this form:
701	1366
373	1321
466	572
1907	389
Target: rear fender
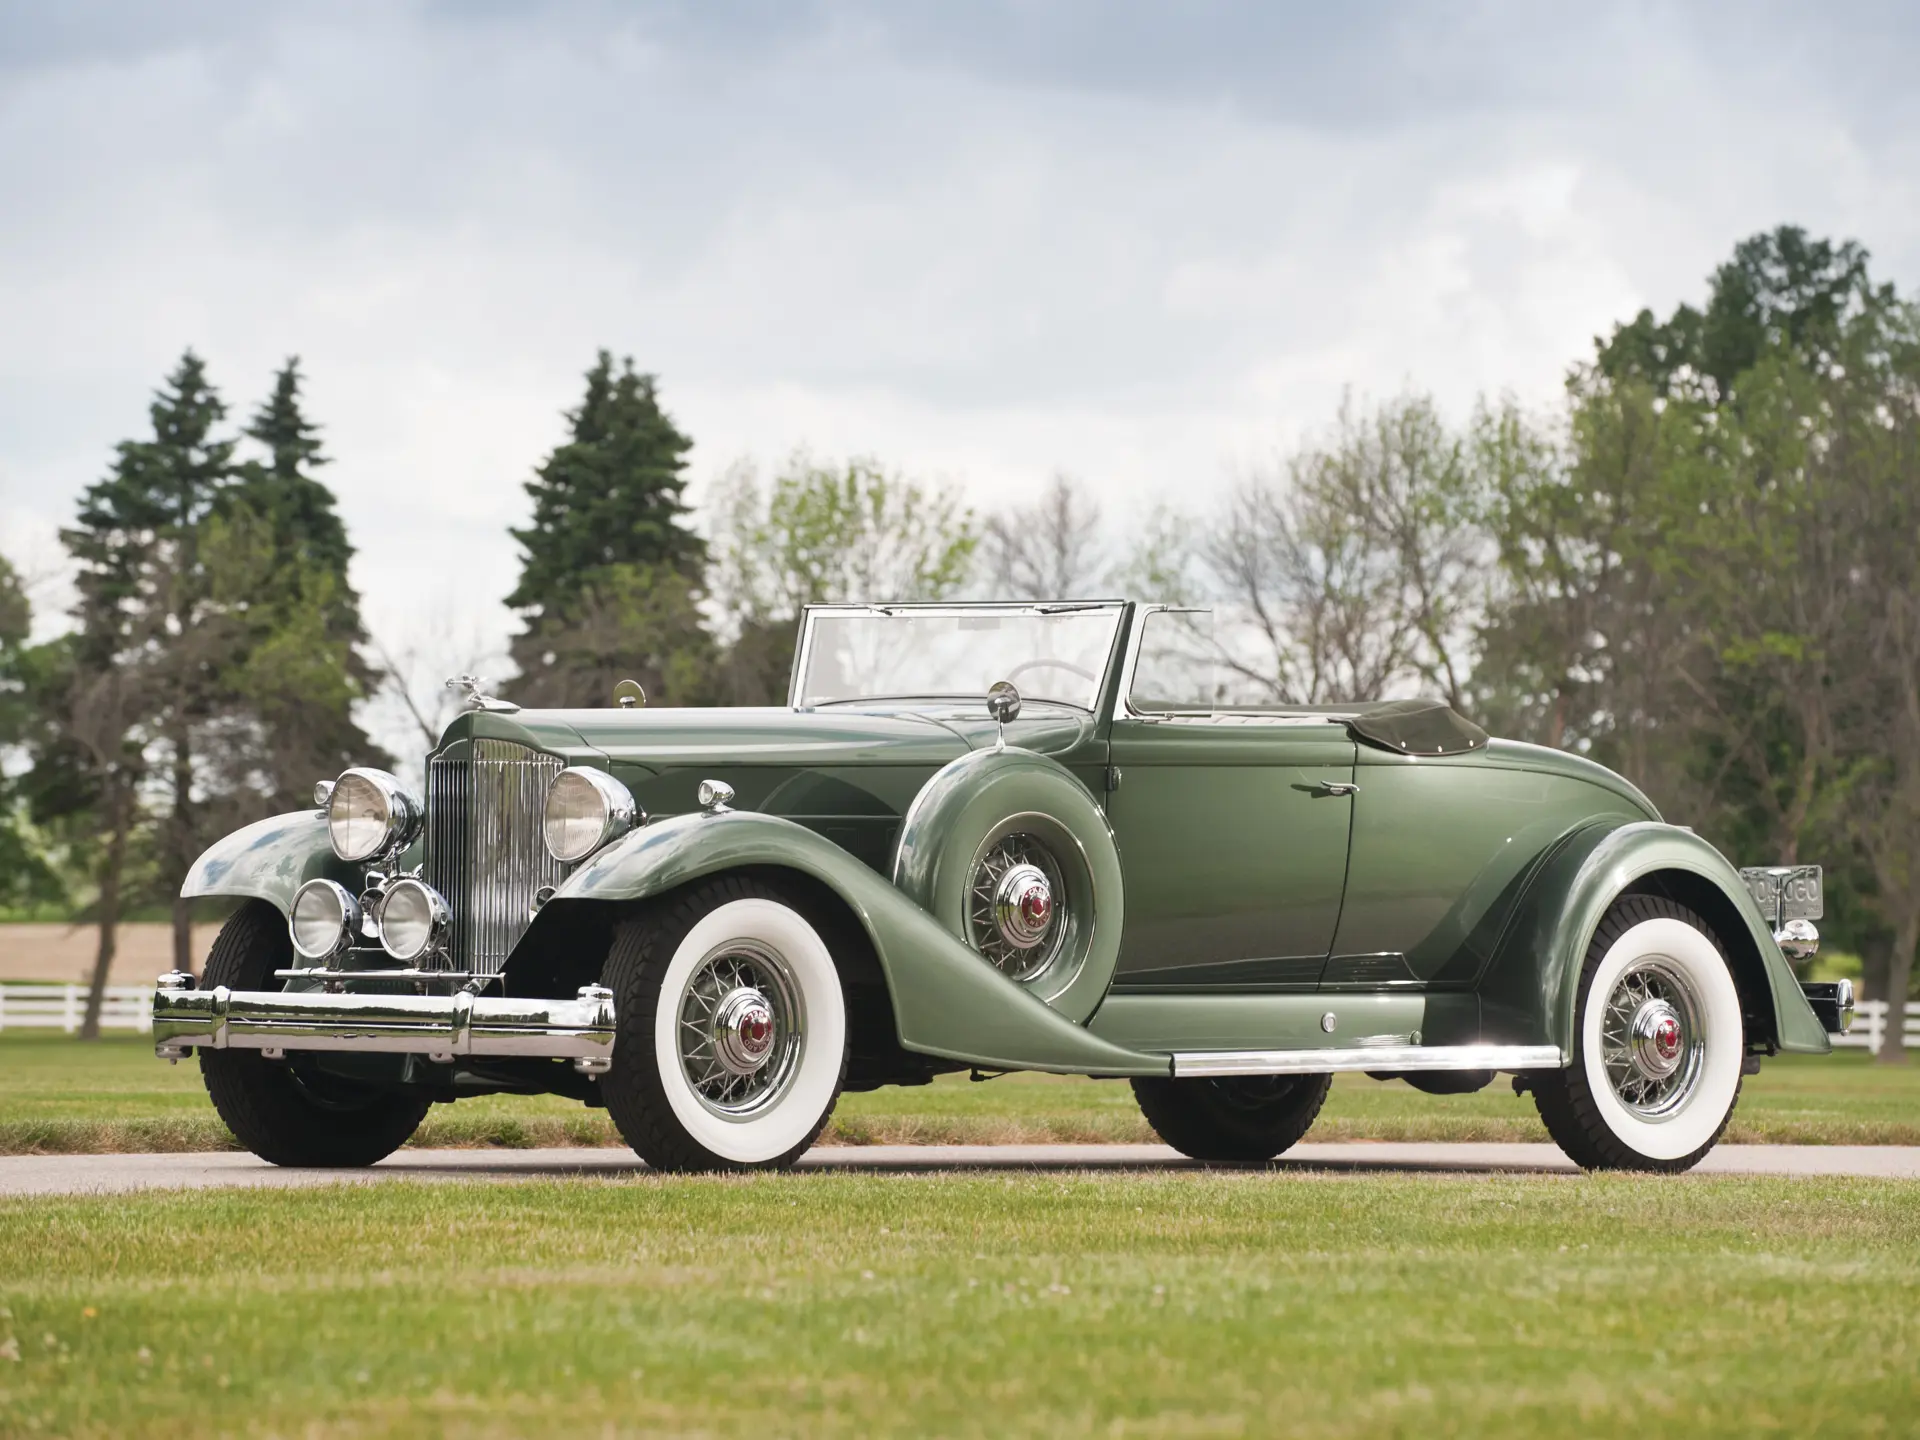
1529	992
947	1001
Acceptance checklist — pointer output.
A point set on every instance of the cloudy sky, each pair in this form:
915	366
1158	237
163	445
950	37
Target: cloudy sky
1144	244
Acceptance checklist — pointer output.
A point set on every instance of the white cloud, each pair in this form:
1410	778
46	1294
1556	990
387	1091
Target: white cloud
1140	251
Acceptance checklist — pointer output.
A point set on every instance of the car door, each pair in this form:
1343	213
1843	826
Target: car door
1233	842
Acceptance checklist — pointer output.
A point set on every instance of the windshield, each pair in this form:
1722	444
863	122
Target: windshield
905	652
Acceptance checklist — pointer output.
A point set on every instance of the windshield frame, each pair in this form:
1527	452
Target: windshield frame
803	651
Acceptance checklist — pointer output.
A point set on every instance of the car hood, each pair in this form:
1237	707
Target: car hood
670	739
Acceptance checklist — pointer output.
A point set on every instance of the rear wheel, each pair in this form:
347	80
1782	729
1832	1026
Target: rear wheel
1658	1044
289	1111
732	1038
1238	1118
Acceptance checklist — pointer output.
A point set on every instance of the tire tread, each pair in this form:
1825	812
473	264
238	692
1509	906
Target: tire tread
1564	1098
1180	1114
643	947
260	1100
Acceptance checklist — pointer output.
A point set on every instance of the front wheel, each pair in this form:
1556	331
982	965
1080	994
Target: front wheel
732	1030
291	1112
1241	1119
1658	1044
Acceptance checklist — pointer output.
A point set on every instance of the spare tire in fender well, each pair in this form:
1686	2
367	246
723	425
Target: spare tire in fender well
988	794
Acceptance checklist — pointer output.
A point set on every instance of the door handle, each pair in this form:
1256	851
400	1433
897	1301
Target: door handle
1338	787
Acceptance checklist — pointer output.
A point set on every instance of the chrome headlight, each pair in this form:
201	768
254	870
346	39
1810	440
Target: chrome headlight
323	920
370	811
585	809
413	920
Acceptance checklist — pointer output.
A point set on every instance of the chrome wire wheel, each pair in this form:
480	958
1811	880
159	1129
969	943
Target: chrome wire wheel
1016	906
740	1031
1651	1039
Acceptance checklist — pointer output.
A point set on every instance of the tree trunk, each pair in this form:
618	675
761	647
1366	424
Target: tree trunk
110	874
1893	1047
182	838
1875	956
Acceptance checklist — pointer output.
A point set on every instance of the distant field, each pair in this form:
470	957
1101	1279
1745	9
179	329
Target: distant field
57	1094
1194	1304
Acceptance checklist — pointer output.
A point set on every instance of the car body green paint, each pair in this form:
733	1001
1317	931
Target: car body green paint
1527	989
1449	896
946	1001
944	832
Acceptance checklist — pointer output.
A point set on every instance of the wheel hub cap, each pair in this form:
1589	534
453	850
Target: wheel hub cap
1023	906
742	1026
1659	1040
743	1031
1019	913
1651	1039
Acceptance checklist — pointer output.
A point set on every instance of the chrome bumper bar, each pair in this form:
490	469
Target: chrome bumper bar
1832	1002
441	1027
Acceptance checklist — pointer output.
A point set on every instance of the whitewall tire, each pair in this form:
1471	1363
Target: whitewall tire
732	1038
1659	1044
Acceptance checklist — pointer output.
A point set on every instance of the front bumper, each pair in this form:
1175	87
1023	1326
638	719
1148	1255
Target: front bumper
441	1027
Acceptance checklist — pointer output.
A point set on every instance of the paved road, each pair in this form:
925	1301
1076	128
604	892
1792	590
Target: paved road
81	1174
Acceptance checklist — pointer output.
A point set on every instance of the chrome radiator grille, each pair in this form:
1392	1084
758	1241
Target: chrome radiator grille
484	851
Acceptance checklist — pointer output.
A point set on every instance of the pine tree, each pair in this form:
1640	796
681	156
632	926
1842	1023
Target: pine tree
610	573
146	667
284	491
282	560
27	880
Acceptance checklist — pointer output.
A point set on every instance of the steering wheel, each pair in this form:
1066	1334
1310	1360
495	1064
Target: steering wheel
1026	665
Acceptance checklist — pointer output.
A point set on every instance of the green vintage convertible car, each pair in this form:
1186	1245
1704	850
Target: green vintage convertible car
990	838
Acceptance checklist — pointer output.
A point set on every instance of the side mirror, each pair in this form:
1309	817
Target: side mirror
1003	704
629	694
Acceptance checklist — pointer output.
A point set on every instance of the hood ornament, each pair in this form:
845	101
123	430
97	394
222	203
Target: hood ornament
475	696
630	693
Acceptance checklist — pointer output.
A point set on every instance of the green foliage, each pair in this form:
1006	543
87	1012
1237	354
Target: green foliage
610	575
212	670
1712	583
1781	292
611	495
638	622
827	532
29	881
297	507
821	533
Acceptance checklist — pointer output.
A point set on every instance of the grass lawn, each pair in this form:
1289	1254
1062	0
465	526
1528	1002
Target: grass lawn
1193	1303
59	1095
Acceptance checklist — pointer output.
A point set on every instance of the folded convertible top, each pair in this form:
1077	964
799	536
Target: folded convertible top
1416	727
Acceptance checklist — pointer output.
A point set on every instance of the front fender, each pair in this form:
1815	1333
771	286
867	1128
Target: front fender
947	1001
1531	987
269	860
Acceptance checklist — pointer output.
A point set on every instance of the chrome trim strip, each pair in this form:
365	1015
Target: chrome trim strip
458	1024
1369	1057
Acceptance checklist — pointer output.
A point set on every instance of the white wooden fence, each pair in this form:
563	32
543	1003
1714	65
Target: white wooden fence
61	1007
1870	1027
130	1007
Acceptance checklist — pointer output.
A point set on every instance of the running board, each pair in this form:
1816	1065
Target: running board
1394	1058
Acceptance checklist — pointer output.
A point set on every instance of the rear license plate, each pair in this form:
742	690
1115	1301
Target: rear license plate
1786	892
